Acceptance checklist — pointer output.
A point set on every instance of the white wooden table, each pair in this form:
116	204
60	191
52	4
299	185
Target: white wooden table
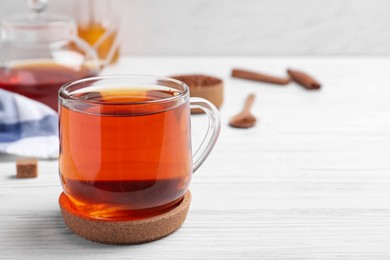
310	181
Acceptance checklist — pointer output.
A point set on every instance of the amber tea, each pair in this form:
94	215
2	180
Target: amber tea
40	81
121	161
92	33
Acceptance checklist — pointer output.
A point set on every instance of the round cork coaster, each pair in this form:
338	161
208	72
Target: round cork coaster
124	232
204	86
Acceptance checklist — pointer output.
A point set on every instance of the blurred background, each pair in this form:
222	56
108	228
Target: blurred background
241	27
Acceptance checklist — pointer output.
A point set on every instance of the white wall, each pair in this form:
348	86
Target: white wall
248	27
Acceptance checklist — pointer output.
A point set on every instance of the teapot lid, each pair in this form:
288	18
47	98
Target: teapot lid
38	26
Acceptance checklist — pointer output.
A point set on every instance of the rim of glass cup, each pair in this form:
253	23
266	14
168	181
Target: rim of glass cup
63	94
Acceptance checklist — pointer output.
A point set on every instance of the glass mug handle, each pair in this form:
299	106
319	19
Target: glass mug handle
212	133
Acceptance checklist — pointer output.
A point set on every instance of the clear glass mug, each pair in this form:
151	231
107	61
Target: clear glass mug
125	144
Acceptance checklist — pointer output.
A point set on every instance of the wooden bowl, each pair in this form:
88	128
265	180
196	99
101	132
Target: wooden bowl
204	86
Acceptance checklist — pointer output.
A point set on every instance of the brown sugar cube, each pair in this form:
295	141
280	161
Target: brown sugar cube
26	168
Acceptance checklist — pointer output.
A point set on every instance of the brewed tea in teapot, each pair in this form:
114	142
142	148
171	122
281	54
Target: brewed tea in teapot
41	52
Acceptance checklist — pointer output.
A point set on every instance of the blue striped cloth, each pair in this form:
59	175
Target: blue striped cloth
27	127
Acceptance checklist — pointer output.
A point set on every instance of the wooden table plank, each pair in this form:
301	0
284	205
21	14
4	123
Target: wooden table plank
310	181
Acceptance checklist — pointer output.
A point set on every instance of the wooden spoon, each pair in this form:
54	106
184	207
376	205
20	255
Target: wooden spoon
244	119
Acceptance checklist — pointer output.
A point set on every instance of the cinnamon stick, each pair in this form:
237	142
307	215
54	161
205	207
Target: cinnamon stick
257	76
303	79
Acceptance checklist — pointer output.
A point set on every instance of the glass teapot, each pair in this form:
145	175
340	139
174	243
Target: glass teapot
39	53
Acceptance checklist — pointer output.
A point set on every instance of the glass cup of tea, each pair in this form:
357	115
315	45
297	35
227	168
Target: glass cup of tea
125	144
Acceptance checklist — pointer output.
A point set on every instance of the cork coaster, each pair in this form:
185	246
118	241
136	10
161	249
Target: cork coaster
204	86
124	232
